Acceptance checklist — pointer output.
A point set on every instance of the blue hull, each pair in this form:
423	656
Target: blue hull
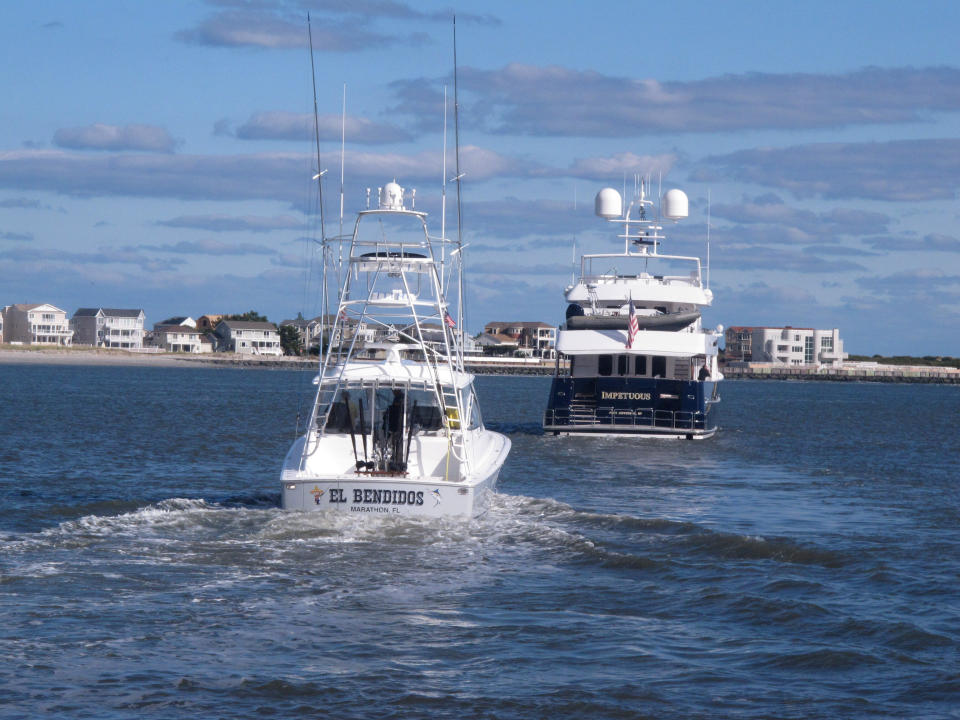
635	406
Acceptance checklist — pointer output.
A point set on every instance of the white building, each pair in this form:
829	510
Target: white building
248	337
108	328
40	324
534	339
175	322
498	343
784	346
181	338
314	330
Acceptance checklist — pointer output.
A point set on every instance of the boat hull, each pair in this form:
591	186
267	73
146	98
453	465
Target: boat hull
650	407
389	495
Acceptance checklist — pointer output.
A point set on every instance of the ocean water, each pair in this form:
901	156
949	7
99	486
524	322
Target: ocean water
804	563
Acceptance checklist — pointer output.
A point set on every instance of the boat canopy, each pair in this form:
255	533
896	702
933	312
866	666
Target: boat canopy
404	372
645	342
620	289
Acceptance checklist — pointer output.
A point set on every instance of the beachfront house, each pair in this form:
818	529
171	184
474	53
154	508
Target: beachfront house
496	344
36	324
178	321
248	337
534	339
157	338
181	338
784	346
318	330
108	328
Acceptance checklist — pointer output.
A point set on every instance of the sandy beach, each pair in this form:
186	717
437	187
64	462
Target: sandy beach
97	356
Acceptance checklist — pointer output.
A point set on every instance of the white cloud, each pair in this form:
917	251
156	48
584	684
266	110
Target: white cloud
277	125
282	30
147	138
206	247
553	100
275	176
16	236
933	242
614	167
50	261
901	170
230	223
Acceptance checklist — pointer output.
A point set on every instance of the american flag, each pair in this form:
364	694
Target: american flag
449	320
632	327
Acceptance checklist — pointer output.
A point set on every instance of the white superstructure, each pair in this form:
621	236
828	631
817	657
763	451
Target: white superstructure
395	427
640	358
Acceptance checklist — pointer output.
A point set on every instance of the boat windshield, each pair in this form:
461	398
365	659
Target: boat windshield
384	410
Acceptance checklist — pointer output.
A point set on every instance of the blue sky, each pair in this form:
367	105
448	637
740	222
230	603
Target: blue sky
160	155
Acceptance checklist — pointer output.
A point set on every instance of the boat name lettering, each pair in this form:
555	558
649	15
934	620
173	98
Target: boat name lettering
368	496
607	395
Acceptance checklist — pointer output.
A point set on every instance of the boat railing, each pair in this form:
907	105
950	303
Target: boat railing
604	416
608	278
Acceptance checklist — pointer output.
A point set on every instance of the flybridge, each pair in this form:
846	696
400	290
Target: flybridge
642	235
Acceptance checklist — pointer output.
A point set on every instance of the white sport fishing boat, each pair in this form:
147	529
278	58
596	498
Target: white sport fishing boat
633	355
395	427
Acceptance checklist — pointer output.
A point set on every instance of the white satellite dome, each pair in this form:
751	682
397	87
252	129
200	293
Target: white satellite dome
608	204
392	197
675	205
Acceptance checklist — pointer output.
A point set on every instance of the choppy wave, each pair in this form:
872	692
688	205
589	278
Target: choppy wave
539	524
801	569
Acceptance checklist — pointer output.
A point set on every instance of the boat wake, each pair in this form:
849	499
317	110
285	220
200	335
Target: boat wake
533	528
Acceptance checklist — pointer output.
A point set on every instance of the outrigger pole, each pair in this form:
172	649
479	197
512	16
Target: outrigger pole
456	135
324	249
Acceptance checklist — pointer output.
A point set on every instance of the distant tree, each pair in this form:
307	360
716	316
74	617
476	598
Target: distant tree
290	340
927	360
250	316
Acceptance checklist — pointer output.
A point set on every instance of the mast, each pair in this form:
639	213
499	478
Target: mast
456	126
324	250
708	238
443	194
343	143
316	130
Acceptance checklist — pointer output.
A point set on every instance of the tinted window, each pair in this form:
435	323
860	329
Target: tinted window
659	366
640	365
605	365
622	364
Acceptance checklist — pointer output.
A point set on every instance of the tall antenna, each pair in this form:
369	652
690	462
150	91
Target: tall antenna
316	130
343	142
573	250
324	250
708	237
659	193
456	133
443	195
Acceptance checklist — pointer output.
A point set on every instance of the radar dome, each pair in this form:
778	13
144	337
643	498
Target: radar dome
675	205
392	198
609	204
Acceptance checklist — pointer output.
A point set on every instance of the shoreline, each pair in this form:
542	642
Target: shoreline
108	357
45	355
878	374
